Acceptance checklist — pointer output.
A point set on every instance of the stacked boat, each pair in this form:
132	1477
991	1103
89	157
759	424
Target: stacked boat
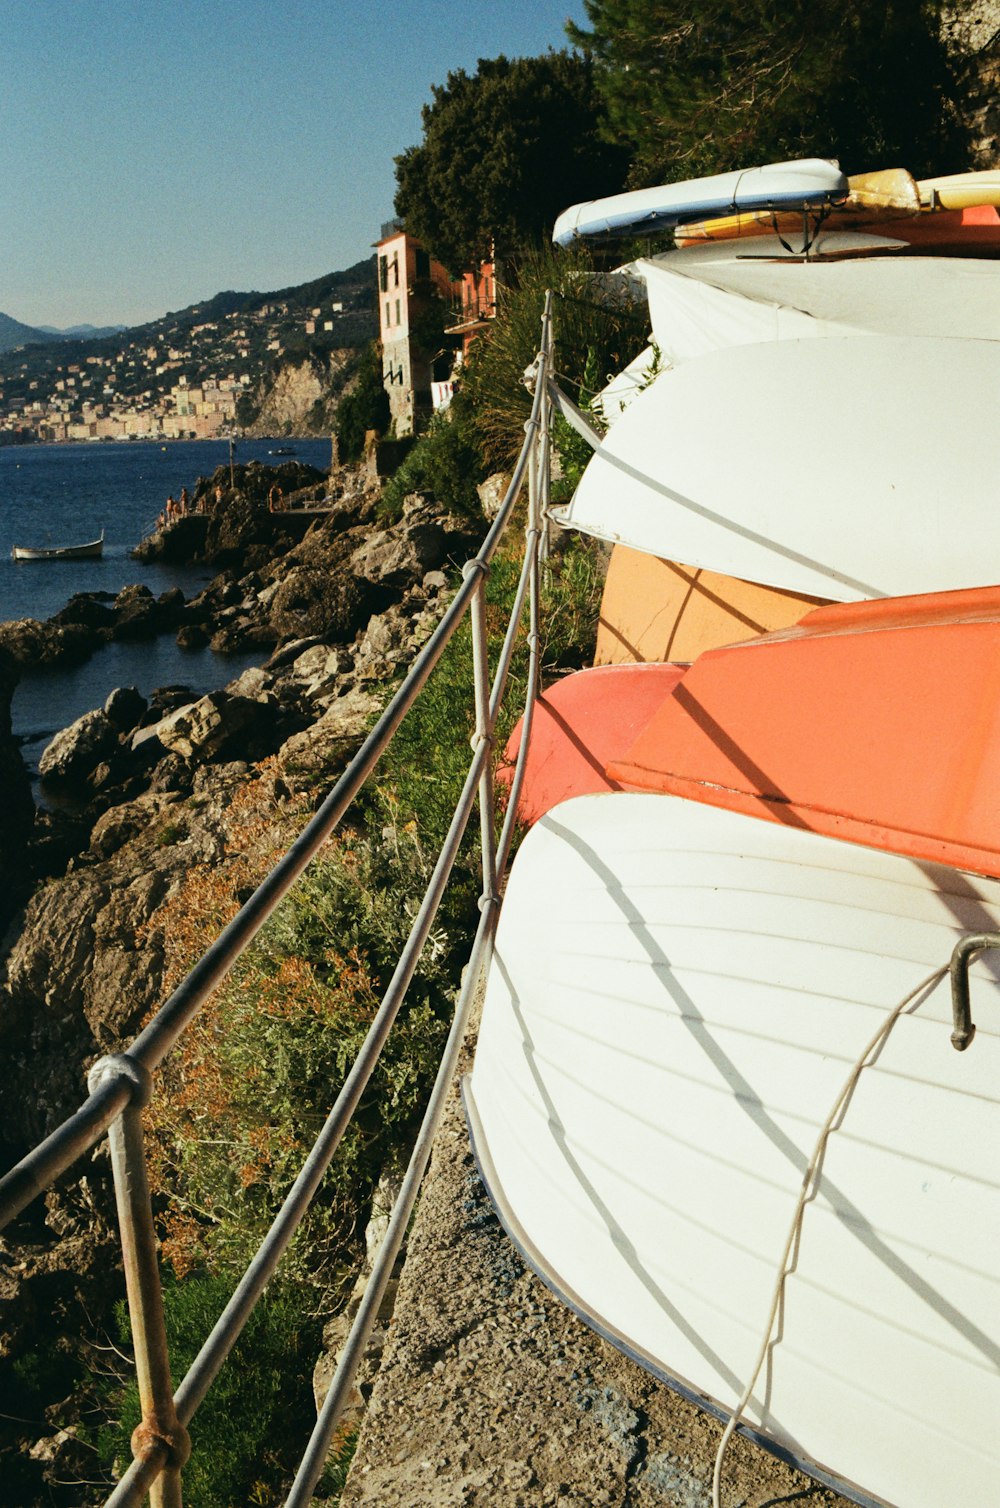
716	1097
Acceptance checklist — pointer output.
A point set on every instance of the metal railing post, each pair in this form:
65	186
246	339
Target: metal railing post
484	733
545	432
119	1086
160	1434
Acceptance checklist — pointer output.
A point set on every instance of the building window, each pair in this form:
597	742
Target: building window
383	273
399	319
388	315
395	269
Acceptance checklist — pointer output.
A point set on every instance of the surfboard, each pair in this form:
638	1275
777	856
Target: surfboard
961	190
891	195
804	182
887	193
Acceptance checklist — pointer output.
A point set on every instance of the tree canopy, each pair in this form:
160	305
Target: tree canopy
503	151
702	86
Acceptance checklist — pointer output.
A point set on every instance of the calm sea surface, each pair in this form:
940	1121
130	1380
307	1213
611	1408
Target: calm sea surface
66	494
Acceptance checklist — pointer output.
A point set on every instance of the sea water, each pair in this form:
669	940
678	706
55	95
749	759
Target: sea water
66	494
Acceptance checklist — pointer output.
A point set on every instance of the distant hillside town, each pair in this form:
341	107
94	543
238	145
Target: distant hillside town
191	375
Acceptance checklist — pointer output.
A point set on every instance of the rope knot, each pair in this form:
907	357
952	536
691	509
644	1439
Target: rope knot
153	1437
119	1065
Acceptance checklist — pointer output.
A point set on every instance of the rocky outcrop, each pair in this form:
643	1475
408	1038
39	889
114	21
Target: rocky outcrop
27	643
232	522
88	621
288	402
17	809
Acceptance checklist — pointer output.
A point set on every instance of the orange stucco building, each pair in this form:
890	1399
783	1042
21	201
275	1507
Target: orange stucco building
417	363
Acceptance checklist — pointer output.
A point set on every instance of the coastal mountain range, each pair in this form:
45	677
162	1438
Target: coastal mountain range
14	333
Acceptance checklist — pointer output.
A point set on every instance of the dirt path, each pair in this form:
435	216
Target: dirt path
492	1393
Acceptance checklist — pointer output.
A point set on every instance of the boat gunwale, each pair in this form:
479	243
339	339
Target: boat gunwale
533	1259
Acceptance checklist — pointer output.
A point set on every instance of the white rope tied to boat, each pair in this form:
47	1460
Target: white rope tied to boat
810	1184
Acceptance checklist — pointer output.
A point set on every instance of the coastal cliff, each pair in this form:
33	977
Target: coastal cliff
301	397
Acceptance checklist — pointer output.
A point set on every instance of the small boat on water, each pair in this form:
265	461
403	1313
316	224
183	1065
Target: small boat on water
90	551
282	450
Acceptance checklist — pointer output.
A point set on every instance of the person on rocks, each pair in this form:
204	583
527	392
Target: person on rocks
171	509
185	502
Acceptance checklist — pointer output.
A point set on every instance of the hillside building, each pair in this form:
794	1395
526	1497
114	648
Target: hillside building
414	293
427	320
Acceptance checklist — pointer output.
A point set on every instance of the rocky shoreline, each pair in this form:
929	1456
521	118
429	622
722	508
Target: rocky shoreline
147	786
489	1390
330	602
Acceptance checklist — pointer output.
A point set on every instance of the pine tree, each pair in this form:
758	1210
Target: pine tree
708	85
503	151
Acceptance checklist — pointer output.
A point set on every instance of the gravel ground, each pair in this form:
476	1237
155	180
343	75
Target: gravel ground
492	1393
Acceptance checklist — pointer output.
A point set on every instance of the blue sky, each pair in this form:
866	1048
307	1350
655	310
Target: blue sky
153	152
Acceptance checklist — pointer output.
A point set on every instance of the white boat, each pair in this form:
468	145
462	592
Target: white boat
805	183
757	470
830	467
93	550
684	976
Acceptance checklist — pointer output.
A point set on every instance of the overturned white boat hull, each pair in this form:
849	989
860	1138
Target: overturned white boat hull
836	468
677	995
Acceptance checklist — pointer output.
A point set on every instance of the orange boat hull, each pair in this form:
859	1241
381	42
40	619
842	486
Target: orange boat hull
656	610
876	722
581	724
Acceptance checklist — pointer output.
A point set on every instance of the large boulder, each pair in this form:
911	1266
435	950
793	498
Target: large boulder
315	601
91	609
217	724
75	753
31	645
420	542
17	810
136	613
125	708
319	671
333	739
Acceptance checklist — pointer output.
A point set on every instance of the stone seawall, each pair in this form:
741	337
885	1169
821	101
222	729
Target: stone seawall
492	1393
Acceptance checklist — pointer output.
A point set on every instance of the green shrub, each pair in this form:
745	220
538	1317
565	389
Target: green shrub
363	407
249	1086
444	462
596	327
249	1433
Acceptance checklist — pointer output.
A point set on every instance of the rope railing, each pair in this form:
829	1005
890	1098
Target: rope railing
120	1085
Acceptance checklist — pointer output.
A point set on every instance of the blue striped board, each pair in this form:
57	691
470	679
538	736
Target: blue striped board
806	183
